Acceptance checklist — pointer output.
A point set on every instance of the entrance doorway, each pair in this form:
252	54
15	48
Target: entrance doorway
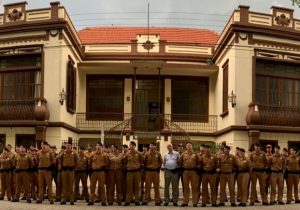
148	105
25	140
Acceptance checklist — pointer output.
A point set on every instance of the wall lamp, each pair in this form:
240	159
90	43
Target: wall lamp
232	99
62	96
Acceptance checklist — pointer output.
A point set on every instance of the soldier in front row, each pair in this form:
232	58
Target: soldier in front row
68	160
152	165
6	165
293	169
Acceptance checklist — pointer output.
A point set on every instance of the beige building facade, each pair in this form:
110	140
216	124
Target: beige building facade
169	85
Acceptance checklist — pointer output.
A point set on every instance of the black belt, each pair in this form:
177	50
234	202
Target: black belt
67	168
134	170
45	168
226	172
80	170
152	169
5	170
258	170
243	171
20	170
279	171
292	172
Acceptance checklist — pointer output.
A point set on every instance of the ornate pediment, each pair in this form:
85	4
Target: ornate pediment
282	20
14	15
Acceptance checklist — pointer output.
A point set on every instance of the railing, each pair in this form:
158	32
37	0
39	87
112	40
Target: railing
17	109
145	122
279	115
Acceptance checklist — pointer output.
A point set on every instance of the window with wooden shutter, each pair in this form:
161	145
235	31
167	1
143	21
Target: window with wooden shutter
71	87
225	89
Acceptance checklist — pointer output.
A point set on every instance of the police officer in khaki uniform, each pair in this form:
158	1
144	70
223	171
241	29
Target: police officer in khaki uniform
269	154
6	164
292	169
243	176
45	160
125	150
133	161
152	165
98	162
68	160
12	180
81	169
277	166
258	164
226	166
189	163
145	151
115	173
22	163
59	178
208	165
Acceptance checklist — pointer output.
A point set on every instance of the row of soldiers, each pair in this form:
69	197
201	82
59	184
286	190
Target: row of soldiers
108	168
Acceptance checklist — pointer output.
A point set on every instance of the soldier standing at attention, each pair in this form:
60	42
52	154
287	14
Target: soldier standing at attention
258	164
226	166
22	163
133	161
152	163
208	165
277	166
124	170
59	178
12	180
243	176
171	166
6	164
115	173
98	162
45	159
293	169
81	175
68	160
189	162
145	151
268	170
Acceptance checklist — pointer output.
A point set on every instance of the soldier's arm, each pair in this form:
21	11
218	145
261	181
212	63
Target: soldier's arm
160	160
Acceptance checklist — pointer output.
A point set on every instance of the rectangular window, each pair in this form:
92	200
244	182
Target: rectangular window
190	99
225	89
277	83
20	77
105	97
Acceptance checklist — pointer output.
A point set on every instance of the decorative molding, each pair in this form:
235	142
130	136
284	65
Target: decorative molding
148	45
15	15
21	50
282	20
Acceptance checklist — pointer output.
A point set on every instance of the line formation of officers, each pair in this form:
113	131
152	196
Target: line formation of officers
31	172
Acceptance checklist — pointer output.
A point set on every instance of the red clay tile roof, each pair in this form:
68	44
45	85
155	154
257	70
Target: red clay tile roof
116	34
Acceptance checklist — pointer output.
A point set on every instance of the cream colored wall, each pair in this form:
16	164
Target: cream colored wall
168	93
282	138
10	133
55	135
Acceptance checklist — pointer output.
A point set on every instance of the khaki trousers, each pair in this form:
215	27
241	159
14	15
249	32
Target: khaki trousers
261	177
45	177
209	179
115	185
224	180
81	176
292	182
243	185
98	176
133	186
152	177
190	176
276	180
5	177
67	185
22	183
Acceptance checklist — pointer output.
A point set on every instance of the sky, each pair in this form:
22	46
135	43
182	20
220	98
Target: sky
207	14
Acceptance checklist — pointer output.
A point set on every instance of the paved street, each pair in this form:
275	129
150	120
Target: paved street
6	205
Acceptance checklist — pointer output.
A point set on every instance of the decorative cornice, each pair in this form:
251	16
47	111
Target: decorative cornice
282	20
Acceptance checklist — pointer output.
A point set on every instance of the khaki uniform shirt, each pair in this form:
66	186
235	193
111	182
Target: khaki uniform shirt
153	160
189	160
